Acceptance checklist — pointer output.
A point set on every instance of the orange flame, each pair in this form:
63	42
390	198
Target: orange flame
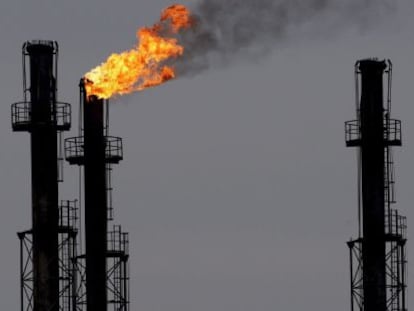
144	65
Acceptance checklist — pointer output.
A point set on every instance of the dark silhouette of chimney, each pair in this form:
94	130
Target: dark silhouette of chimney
378	255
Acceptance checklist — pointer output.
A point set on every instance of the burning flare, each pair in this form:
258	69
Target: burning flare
145	65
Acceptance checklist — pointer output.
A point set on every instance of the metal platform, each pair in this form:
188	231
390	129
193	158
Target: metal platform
22	121
74	150
392	133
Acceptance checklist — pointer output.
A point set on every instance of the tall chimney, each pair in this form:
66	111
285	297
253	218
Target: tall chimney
37	115
44	178
106	259
372	160
377	256
95	203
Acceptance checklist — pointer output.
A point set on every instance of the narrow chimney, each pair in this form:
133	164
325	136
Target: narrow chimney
95	203
44	177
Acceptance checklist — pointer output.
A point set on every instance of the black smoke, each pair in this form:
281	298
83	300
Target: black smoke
227	31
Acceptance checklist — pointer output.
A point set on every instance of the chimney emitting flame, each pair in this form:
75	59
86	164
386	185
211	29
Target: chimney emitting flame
145	65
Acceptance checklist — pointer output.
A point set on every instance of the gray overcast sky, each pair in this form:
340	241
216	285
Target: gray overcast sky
236	188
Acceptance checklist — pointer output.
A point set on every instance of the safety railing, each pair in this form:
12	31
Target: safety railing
68	214
74	149
118	240
21	113
392	132
395	224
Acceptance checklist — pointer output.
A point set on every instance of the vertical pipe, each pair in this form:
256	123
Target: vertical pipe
95	203
44	178
398	265
372	160
351	268
124	287
21	272
403	276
